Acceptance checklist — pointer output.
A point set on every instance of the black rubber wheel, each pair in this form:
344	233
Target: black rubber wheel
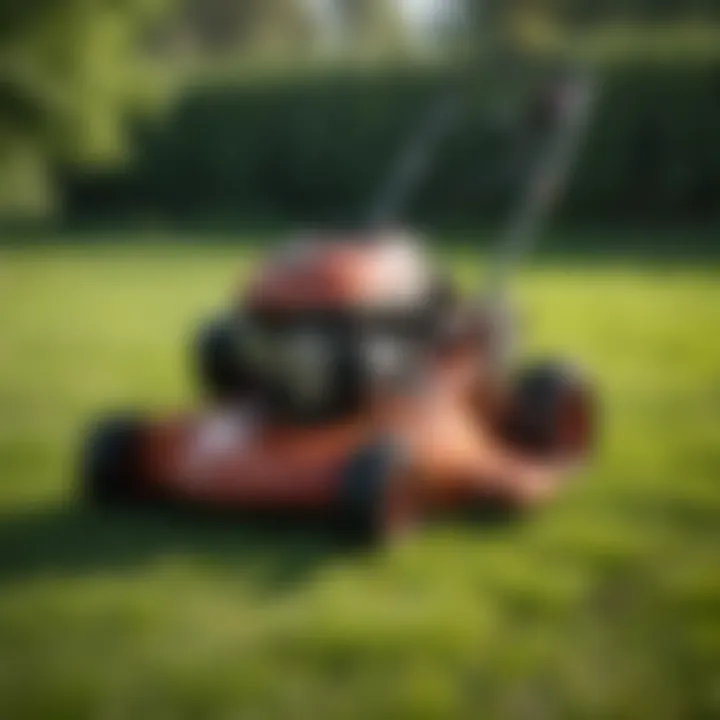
377	504
217	362
110	473
555	410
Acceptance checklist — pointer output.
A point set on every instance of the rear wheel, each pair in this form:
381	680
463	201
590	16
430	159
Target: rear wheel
110	472
554	411
378	503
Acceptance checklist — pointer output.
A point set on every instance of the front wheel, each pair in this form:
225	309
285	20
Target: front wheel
378	503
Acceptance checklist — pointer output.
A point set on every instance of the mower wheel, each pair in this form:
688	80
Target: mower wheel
216	359
377	504
555	410
110	474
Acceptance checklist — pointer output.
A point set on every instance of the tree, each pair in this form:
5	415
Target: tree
246	27
71	72
372	27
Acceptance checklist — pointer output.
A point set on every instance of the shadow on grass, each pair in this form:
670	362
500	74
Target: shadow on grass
67	540
276	554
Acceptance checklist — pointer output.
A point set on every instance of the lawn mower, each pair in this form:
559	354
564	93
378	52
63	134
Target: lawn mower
350	380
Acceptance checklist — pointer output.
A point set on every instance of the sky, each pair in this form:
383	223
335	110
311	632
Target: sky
421	11
426	13
423	14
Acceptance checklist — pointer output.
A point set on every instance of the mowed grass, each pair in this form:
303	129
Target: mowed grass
606	604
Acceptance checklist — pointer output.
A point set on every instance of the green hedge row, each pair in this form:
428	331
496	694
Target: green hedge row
316	148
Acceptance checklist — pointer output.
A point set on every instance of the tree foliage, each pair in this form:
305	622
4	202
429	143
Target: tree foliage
70	73
372	26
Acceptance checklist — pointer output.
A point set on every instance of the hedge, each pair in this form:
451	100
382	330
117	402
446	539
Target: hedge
315	148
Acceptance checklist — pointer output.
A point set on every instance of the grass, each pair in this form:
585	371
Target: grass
605	605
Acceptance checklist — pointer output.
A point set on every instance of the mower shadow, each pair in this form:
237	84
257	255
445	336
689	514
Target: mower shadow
275	555
68	541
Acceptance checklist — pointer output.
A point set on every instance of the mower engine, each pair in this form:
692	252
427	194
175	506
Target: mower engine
326	325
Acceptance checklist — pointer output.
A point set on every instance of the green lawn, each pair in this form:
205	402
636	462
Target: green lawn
605	605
